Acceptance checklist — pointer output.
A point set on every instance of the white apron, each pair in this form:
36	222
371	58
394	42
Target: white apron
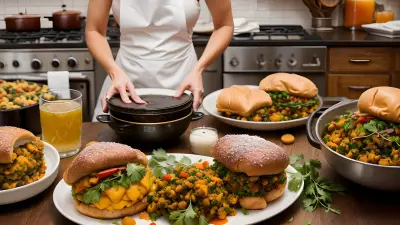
156	49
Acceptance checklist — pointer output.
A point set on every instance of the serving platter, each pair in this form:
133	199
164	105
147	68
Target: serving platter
63	201
52	159
210	106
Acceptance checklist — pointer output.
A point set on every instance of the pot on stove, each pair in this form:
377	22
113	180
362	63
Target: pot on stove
22	23
66	19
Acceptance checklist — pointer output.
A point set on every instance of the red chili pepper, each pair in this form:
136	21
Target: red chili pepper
167	177
183	174
361	119
106	173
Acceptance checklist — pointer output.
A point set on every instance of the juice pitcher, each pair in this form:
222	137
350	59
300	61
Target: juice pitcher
358	12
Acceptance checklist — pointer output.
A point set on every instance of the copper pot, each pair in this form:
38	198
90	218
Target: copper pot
66	20
23	22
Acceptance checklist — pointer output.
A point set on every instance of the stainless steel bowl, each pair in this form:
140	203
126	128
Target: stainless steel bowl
366	174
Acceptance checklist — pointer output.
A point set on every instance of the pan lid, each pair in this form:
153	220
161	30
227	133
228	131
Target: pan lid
155	103
23	16
66	12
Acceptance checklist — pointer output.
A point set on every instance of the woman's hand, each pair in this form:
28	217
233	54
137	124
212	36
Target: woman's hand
121	84
194	83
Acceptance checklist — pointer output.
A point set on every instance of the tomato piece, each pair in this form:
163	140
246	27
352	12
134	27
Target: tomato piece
398	131
206	164
183	174
167	177
106	173
153	223
361	119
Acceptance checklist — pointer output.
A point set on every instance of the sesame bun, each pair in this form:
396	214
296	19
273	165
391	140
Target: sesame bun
381	102
107	214
11	137
251	155
293	84
100	156
242	100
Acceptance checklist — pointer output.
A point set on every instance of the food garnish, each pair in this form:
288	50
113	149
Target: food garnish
161	163
128	221
287	139
317	190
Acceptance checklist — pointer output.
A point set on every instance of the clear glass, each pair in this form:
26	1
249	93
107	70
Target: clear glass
358	12
383	17
202	139
61	120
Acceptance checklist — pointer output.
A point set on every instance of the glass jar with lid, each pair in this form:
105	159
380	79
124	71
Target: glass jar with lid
358	12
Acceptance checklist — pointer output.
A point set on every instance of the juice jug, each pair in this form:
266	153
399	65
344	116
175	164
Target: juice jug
358	12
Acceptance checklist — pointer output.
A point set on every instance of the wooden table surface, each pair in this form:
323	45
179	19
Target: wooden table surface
359	205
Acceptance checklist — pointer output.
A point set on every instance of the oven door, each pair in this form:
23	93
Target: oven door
82	82
230	79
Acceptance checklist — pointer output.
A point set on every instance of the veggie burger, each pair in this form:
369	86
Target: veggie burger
252	168
109	180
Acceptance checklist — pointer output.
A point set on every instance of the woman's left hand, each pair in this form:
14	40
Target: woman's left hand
194	83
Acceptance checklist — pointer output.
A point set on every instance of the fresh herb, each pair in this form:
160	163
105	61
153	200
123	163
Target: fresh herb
307	223
134	173
348	125
290	220
183	217
153	217
162	164
115	223
244	211
317	191
203	220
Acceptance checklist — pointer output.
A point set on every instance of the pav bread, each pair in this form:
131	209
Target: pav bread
242	100
293	84
252	167
381	102
101	186
20	147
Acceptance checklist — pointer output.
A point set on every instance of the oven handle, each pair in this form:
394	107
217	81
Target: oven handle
41	77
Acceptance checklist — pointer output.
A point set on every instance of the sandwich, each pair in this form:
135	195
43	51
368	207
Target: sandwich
293	96
109	180
242	102
252	168
21	158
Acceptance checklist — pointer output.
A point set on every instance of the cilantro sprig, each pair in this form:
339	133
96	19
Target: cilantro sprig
317	191
161	163
134	173
186	217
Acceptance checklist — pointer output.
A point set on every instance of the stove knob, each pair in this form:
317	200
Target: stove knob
278	62
234	62
36	64
72	62
55	63
292	62
2	65
15	63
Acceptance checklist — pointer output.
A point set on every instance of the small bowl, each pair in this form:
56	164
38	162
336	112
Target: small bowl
52	159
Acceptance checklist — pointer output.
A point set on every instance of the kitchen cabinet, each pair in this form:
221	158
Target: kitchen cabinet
351	71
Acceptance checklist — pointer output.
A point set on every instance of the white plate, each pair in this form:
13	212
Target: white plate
52	159
210	105
63	201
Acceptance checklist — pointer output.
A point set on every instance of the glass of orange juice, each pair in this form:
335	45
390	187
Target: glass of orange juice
358	12
61	120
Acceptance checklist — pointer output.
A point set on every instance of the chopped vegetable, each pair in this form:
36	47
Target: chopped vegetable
287	139
128	221
161	163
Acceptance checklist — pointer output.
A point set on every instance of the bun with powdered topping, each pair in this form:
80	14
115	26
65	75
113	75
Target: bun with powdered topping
252	168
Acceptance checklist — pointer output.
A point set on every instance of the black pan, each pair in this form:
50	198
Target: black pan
27	117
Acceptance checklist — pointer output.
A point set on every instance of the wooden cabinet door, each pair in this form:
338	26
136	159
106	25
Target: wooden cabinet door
352	86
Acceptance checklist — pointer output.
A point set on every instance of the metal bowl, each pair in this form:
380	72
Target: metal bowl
210	102
366	174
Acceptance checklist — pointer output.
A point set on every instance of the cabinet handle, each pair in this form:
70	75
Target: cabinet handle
360	60
359	88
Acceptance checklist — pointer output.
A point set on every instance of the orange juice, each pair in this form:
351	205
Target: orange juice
383	17
359	12
62	124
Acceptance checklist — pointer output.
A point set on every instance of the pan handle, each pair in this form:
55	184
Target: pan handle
197	116
107	119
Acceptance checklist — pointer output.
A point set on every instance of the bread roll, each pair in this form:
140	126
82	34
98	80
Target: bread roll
242	100
293	84
250	154
11	137
101	156
275	193
253	202
381	102
107	214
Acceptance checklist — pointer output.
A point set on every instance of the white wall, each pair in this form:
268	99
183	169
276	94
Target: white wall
263	11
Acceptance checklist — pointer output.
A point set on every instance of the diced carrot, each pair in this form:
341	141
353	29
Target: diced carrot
167	177
183	174
199	166
206	164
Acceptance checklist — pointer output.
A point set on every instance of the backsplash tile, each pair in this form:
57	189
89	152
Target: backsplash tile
262	11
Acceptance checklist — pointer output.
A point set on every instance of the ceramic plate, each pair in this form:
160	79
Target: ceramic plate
63	201
52	159
210	102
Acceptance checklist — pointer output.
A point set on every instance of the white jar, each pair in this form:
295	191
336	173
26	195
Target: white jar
202	139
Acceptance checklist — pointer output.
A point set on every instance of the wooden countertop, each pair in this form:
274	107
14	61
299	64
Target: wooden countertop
359	205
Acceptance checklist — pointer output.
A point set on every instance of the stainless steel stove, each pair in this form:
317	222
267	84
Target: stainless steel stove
248	65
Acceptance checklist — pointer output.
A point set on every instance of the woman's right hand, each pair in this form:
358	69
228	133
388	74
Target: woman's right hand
123	85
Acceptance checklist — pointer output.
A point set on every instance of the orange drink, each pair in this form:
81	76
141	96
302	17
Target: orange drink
383	17
61	121
359	12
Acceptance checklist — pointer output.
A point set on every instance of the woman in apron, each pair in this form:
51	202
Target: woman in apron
156	49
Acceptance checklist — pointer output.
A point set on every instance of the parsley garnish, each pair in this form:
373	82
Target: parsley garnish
161	163
186	217
244	211
317	191
153	217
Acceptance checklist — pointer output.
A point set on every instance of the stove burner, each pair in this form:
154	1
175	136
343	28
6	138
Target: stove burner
276	32
42	36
